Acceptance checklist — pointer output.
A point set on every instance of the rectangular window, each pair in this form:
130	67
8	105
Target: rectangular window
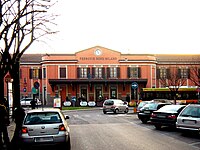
98	73
113	72
163	73
83	73
184	73
35	73
44	73
134	72
62	72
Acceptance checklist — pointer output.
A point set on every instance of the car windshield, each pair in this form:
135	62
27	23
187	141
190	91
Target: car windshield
141	104
170	108
191	112
151	105
42	118
109	102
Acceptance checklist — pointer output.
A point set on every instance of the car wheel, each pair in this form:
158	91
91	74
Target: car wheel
126	110
144	120
158	127
104	112
116	111
66	145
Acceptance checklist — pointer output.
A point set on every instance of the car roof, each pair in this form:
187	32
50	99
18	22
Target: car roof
194	105
44	110
113	100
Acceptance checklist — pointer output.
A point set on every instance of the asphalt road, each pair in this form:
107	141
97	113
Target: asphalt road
93	130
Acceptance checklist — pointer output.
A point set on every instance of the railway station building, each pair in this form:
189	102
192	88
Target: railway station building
99	73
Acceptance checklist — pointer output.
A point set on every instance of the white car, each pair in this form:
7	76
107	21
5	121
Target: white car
115	105
27	102
189	118
45	127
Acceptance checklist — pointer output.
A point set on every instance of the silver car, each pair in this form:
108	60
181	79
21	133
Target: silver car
27	102
46	126
115	105
189	118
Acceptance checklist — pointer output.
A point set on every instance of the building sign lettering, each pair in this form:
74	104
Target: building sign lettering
98	58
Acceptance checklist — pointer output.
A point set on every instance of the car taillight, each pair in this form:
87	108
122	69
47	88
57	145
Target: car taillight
172	116
113	106
62	128
153	115
24	130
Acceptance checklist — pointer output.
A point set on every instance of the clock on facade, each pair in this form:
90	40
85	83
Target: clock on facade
98	52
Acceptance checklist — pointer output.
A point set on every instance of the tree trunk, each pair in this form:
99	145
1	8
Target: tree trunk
16	99
1	85
16	85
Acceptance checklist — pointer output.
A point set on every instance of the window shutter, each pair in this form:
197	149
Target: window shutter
78	72
139	72
103	73
30	73
40	73
108	72
199	73
168	73
88	73
188	73
93	72
118	72
128	72
179	73
158	73
20	73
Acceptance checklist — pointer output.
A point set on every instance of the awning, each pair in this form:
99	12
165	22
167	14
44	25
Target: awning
113	81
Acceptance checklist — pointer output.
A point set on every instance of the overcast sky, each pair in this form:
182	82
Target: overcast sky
127	26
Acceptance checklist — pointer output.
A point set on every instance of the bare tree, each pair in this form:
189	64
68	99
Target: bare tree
195	75
21	23
174	79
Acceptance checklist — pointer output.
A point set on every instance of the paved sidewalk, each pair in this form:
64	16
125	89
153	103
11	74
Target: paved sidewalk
11	129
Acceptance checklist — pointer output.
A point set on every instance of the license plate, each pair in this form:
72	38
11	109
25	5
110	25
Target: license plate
189	121
161	116
44	139
147	112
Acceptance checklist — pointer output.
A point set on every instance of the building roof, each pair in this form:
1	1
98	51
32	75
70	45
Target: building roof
160	58
178	58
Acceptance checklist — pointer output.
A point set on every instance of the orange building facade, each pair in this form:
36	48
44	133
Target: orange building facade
95	74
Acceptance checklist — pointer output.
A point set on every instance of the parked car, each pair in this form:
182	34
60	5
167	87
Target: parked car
27	102
145	112
141	104
189	118
45	126
166	116
115	105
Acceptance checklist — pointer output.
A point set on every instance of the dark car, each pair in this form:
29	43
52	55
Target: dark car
141	104
166	116
145	112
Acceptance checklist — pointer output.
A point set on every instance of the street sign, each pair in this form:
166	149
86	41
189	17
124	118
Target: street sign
34	90
24	89
36	85
134	85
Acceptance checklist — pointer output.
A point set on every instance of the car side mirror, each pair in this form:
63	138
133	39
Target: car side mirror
66	117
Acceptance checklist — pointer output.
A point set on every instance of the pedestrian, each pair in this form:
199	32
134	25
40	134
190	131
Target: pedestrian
33	104
18	115
4	122
128	99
